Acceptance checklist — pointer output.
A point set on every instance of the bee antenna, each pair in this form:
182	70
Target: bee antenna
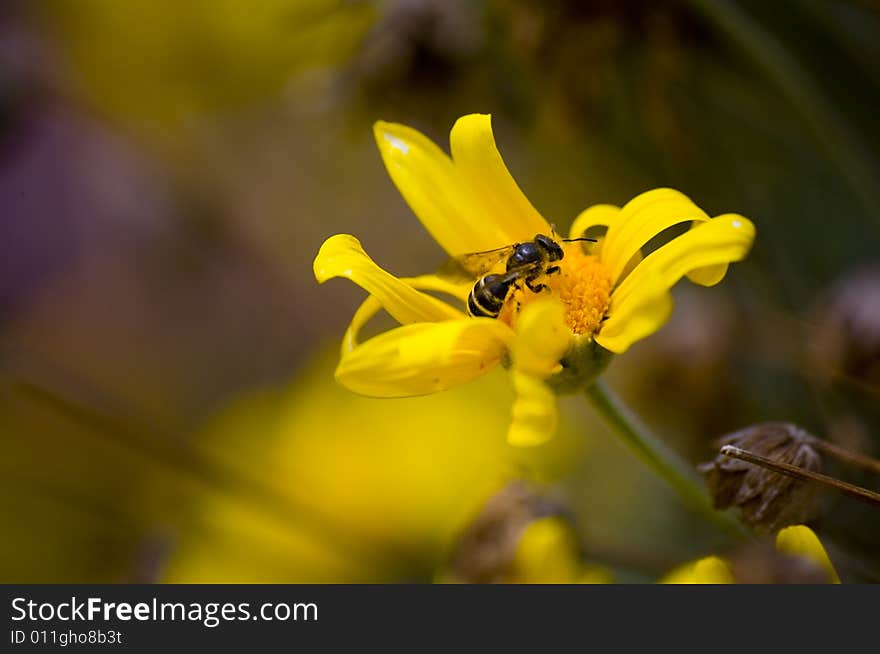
582	238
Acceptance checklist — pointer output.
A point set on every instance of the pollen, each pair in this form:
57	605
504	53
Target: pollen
583	285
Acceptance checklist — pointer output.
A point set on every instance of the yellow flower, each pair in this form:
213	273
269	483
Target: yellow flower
797	541
604	299
347	494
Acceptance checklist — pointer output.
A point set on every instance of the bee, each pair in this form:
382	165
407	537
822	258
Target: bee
526	263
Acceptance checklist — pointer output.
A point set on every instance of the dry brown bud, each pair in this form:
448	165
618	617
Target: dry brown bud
768	500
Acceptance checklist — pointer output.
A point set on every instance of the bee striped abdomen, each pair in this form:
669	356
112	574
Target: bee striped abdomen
487	296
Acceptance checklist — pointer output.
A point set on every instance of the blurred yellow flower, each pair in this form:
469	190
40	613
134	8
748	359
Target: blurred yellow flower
798	541
550	553
163	62
346	493
605	298
708	570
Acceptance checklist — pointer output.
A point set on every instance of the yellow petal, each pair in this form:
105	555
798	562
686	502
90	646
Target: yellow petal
343	256
548	552
599	215
507	215
436	190
643	314
422	358
369	308
641	219
456	288
708	275
534	411
542	338
371	305
709	570
721	240
801	541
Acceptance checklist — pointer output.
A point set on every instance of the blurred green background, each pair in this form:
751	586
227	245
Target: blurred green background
168	171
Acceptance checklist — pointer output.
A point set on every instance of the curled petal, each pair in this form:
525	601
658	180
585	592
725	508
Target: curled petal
708	275
641	219
801	541
721	240
646	310
542	338
371	306
456	288
599	215
507	215
534	411
422	358
343	256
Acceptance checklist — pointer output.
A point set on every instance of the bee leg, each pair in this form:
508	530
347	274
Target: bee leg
552	270
534	288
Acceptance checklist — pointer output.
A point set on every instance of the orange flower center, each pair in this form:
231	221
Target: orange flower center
583	285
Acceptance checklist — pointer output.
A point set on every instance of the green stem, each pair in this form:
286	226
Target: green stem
656	455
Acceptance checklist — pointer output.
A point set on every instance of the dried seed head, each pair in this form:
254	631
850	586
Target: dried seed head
487	550
846	341
768	500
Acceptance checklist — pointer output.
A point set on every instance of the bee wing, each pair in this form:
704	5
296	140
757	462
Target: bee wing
474	264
